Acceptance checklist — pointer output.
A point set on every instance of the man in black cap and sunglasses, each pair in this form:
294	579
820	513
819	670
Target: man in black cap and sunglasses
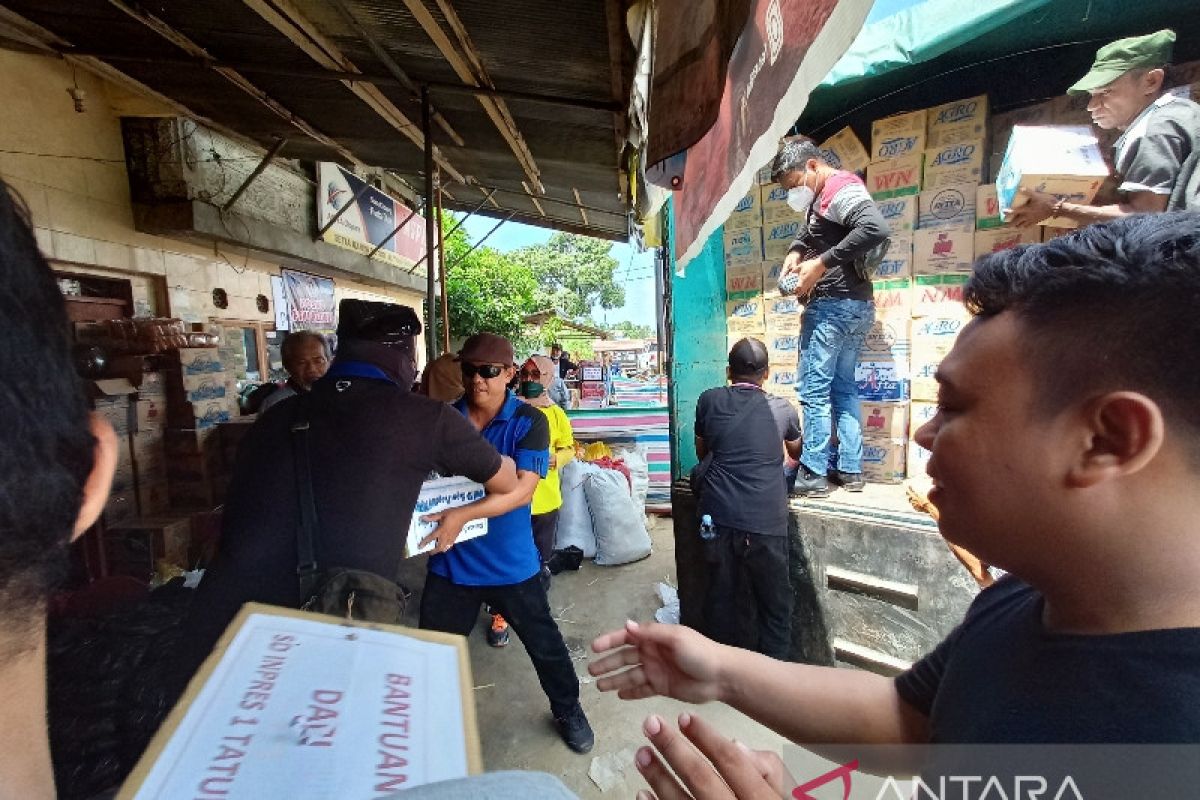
503	569
372	443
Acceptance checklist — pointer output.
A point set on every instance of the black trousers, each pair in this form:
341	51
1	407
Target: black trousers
545	526
454	608
749	601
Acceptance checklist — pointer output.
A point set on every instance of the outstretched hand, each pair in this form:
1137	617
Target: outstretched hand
669	660
706	764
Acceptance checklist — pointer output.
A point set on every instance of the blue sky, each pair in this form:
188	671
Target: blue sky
634	270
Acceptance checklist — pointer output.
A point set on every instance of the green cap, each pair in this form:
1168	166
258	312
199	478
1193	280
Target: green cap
1114	60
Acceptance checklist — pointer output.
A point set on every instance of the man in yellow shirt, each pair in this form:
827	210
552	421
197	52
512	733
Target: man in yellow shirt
537	374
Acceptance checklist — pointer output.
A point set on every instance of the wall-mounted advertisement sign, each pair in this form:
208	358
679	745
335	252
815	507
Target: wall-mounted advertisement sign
369	220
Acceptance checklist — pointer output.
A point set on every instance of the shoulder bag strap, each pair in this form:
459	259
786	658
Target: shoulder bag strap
306	531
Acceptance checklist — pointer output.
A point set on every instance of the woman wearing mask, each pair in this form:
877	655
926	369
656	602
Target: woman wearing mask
536	375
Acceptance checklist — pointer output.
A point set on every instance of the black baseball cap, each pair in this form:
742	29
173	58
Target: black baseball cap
748	357
387	323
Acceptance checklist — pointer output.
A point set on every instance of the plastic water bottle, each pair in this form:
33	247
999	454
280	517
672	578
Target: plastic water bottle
707	531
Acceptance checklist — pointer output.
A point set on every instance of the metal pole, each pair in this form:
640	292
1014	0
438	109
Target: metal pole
262	165
338	214
395	230
430	296
442	274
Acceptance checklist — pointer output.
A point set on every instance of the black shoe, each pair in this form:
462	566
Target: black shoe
850	481
810	484
574	729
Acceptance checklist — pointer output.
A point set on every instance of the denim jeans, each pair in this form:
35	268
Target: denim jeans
832	331
454	608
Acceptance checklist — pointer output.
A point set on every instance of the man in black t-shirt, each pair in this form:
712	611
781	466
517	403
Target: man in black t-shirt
372	443
741	433
1066	451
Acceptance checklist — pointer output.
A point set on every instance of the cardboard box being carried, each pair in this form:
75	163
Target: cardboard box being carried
987	207
747	213
954	164
774	205
900	213
745	315
743	247
843	150
950	206
739	280
883	460
884	420
778	238
895	177
939	295
997	239
942	250
1061	161
889	132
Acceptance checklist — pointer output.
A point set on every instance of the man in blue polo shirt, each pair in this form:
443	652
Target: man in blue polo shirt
502	569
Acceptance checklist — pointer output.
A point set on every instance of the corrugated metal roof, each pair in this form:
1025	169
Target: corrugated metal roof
532	46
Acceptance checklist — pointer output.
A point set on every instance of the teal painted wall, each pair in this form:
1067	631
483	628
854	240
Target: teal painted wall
699	341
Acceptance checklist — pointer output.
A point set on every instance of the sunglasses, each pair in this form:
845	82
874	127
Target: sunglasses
485	371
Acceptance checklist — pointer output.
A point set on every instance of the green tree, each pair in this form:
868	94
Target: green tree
632	330
486	290
574	274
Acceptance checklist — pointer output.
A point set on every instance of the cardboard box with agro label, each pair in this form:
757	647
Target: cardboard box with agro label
950	206
778	238
1061	161
937	251
939	295
881	380
920	412
747	213
771	271
987	207
739	280
885	420
843	150
946	135
883	460
898	145
955	163
950	119
933	339
895	177
743	247
774	205
894	127
900	213
783	312
997	239
745	315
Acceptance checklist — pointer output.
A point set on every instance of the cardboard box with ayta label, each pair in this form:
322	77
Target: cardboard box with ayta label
1064	162
951	206
743	247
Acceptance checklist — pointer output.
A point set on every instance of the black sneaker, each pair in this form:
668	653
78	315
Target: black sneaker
574	729
850	481
810	484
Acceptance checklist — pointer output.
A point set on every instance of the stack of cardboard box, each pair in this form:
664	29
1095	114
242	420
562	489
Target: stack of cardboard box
198	400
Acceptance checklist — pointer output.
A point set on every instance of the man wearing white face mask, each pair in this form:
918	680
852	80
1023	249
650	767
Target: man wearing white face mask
842	226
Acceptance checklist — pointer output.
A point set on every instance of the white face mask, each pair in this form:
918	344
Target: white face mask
800	199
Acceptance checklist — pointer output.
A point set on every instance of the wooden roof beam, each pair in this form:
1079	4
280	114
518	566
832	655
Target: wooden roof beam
287	19
579	201
181	41
616	27
533	197
470	70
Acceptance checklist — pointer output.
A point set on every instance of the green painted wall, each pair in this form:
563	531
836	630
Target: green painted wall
697	330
